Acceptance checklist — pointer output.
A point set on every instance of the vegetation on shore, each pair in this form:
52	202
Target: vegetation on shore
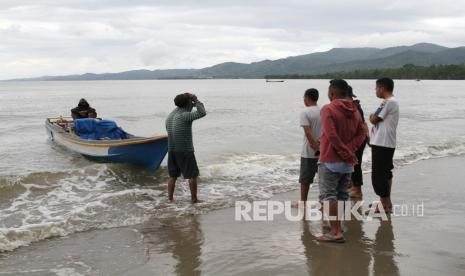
408	71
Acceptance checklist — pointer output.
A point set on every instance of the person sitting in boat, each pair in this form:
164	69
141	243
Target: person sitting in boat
83	110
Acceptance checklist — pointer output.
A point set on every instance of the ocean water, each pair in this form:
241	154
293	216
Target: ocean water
248	147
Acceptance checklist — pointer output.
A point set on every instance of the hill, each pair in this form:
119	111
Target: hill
334	60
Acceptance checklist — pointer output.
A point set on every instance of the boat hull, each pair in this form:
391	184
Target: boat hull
145	152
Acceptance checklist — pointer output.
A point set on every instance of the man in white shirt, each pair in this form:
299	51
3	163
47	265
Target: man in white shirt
383	141
310	122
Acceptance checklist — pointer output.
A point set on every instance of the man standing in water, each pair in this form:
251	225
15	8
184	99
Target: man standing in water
355	190
342	134
310	122
383	141
181	158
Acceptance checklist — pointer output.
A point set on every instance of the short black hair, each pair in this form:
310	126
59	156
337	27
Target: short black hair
387	83
181	100
350	92
312	94
339	87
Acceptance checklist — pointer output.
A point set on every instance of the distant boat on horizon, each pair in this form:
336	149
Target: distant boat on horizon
274	81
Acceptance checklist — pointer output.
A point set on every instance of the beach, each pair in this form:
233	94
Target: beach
62	214
216	244
178	138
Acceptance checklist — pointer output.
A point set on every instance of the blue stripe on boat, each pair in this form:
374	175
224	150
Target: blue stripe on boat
149	154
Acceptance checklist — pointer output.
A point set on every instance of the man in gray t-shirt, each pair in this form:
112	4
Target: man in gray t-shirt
310	122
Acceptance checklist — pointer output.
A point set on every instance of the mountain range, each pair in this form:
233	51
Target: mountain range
334	60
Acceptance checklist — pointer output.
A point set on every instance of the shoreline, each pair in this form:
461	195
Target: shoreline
214	243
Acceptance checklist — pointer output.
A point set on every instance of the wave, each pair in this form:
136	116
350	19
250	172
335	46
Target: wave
57	204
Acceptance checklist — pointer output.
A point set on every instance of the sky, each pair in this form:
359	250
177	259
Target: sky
62	37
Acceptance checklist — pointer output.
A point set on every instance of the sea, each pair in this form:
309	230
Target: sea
247	147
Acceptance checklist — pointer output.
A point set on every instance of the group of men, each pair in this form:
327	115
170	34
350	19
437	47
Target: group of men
334	141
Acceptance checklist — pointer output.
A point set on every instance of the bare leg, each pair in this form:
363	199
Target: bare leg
336	229
171	185
386	201
356	192
304	188
385	204
389	203
350	185
193	188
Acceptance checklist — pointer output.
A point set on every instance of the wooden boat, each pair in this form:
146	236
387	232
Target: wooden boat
146	152
274	81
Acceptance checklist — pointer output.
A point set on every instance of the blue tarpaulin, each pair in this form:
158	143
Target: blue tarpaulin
94	129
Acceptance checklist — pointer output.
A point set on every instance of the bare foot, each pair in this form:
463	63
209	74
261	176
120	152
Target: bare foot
355	192
328	237
351	185
195	201
378	208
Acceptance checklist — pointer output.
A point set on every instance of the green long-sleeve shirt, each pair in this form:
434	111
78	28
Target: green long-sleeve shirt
179	127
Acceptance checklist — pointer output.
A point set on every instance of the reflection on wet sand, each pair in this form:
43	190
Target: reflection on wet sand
182	237
384	251
353	257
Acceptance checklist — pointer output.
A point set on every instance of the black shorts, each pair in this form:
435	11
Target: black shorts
308	169
357	175
381	169
182	163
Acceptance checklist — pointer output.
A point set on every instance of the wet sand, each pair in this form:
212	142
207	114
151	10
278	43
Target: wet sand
216	244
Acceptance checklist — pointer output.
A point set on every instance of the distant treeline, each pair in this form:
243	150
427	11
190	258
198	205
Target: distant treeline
408	71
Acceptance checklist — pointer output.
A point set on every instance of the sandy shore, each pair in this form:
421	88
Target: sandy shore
216	244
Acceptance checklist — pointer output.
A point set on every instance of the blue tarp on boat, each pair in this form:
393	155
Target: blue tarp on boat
94	129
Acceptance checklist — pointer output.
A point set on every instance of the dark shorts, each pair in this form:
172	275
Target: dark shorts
182	163
308	169
381	169
357	175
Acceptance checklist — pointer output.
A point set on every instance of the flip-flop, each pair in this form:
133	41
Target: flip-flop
327	227
328	237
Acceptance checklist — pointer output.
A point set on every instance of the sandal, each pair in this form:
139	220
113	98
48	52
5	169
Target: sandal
328	237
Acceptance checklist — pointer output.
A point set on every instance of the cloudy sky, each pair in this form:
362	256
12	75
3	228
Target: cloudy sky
46	37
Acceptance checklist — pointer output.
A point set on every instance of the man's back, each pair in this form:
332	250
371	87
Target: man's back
181	157
342	130
179	127
81	113
83	110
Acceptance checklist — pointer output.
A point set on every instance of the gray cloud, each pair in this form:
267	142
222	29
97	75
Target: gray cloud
78	36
